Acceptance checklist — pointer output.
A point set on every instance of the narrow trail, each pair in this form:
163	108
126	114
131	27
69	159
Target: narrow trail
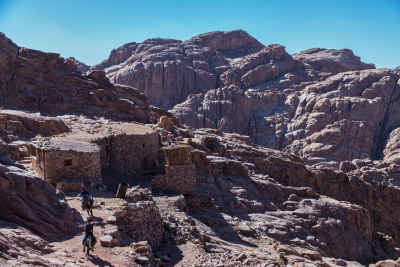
70	249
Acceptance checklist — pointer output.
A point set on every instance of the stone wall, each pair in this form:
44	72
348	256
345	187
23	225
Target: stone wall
181	178
105	150
126	149
142	221
177	178
37	158
178	155
128	152
55	165
72	165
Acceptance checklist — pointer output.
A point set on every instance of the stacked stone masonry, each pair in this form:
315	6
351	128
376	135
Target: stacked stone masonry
180	173
81	156
142	221
65	161
126	162
181	178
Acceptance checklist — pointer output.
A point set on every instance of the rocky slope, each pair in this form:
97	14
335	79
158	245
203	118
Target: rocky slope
34	204
322	104
266	192
253	206
37	81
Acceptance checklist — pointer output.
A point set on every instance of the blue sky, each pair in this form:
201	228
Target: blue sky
90	29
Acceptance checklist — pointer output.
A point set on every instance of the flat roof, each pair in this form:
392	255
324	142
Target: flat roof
77	146
81	141
50	144
107	130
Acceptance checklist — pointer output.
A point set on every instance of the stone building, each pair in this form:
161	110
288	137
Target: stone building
125	148
66	160
180	172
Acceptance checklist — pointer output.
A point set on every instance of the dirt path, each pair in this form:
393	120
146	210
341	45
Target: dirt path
70	249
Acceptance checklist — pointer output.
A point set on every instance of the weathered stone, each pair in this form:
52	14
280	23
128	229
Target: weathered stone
180	178
141	249
142	260
111	220
69	186
106	241
142	221
119	147
387	263
33	203
244	229
46	73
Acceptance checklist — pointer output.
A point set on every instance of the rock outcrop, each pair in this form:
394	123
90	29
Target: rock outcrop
334	214
167	71
231	82
32	203
37	81
82	67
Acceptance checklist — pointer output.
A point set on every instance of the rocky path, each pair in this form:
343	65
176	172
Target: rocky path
69	250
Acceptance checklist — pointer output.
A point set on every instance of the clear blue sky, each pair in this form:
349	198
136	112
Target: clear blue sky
89	29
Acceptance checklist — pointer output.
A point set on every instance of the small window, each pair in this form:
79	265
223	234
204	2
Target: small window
67	162
144	145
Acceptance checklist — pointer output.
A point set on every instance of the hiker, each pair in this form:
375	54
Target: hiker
88	232
85	196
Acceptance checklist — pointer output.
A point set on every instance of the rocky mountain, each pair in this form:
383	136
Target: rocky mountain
324	105
263	195
82	67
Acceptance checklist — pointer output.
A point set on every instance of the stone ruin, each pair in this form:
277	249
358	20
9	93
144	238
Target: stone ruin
66	161
79	157
141	219
180	172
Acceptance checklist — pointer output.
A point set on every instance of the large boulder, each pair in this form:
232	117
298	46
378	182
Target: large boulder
33	203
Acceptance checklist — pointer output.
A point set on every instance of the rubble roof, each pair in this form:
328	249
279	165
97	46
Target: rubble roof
54	144
82	141
74	145
108	130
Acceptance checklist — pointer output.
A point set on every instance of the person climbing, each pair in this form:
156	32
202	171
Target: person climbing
88	232
85	196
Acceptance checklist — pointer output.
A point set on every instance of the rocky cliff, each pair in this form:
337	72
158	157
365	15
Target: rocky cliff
322	104
37	81
254	205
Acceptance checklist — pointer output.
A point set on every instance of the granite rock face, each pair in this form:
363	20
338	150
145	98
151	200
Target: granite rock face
325	105
346	116
167	71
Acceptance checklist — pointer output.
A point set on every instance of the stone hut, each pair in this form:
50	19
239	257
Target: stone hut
180	172
124	148
66	160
